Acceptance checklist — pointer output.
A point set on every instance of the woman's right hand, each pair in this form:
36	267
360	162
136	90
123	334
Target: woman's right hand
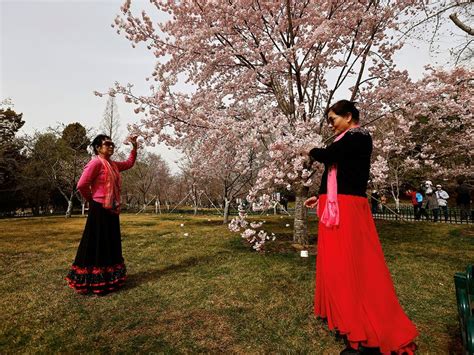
311	202
305	149
133	140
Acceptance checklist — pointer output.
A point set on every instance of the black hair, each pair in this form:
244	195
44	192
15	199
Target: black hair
342	108
97	142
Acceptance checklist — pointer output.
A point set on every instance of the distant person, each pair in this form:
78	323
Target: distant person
99	266
354	290
428	187
416	199
463	199
284	203
425	189
442	197
383	202
419	200
374	201
431	204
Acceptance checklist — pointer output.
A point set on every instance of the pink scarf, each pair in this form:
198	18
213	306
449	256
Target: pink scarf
113	181
330	217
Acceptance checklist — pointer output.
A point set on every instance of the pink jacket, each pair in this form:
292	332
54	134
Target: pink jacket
91	182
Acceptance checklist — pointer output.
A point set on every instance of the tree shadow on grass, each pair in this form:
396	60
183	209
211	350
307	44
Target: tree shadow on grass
136	279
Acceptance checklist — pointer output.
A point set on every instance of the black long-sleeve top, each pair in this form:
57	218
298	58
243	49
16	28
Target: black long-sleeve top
352	155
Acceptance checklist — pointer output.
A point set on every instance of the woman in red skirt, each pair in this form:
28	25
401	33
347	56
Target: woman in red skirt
354	289
99	266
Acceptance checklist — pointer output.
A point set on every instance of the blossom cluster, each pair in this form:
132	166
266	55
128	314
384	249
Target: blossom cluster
255	238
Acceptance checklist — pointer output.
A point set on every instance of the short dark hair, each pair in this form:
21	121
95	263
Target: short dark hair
97	142
342	108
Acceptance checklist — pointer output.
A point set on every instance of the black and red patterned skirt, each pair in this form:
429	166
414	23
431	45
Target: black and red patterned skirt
99	266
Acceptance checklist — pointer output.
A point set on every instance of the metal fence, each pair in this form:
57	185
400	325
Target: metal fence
389	212
407	213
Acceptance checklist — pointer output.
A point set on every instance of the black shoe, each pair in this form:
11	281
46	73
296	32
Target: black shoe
340	338
349	350
370	351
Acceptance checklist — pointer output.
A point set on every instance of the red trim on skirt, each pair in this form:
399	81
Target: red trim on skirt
354	289
96	279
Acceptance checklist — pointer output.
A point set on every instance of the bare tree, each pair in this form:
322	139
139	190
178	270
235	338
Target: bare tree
111	120
435	20
144	181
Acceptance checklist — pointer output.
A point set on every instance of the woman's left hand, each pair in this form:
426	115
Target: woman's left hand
311	202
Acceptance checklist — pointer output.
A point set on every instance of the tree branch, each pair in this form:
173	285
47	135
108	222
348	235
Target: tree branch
461	25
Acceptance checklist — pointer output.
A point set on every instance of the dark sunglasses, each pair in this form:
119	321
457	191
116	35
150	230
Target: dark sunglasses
109	144
330	120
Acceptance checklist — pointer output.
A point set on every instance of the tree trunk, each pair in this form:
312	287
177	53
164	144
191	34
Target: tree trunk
195	207
226	210
300	231
395	189
69	208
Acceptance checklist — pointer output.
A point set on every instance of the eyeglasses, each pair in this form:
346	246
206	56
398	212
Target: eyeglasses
109	144
331	120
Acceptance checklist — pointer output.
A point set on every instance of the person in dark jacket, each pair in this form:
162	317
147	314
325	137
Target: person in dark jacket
431	204
374	201
463	199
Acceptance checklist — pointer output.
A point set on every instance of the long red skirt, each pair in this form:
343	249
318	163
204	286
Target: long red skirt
354	289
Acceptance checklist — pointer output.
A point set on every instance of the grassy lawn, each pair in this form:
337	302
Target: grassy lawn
208	292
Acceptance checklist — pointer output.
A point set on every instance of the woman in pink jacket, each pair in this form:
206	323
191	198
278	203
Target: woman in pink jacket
99	266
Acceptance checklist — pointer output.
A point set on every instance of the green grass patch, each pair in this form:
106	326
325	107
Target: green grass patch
208	291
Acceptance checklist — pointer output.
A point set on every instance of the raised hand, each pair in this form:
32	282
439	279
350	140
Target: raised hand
133	140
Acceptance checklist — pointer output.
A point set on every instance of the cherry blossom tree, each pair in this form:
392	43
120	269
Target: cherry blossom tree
263	70
226	159
427	128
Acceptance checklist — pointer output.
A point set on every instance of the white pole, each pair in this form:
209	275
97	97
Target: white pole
144	207
218	210
180	202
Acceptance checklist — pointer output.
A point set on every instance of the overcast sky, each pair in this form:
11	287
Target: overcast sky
54	54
